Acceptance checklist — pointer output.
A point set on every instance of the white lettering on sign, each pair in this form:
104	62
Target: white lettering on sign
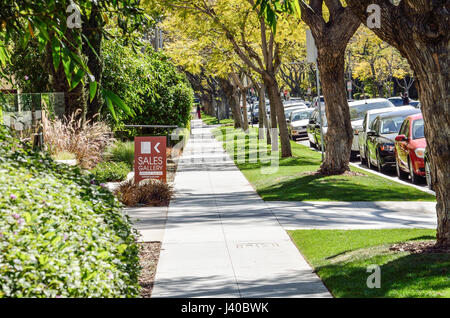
150	161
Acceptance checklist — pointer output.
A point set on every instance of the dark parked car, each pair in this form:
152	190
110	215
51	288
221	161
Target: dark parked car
381	138
410	149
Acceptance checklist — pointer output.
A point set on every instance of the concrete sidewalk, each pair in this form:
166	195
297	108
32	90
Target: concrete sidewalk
355	215
221	239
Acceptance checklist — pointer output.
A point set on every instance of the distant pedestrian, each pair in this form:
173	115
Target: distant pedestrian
405	99
199	112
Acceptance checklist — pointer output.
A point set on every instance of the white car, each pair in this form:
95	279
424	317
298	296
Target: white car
358	110
288	111
298	123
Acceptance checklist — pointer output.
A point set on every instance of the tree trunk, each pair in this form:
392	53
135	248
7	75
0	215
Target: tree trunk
277	107
431	68
75	100
339	137
244	109
92	31
232	94
263	122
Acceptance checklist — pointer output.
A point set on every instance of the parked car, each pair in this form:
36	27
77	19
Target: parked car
428	170
398	101
358	110
410	147
313	128
315	101
370	116
298	123
381	138
289	110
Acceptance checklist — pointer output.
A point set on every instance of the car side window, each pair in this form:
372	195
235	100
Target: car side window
404	130
373	125
377	125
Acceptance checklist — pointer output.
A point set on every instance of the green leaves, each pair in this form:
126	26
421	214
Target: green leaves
92	90
4	58
60	235
114	99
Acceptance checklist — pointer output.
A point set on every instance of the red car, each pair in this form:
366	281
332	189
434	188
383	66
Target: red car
410	147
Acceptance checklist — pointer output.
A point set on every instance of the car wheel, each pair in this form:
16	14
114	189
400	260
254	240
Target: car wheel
400	173
379	166
412	175
428	175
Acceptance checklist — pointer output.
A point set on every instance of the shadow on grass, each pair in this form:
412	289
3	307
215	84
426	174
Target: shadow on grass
413	275
320	188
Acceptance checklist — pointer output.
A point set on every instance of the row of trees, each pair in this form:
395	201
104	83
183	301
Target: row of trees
255	37
69	41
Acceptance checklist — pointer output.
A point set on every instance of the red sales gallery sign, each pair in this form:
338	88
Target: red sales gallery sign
150	158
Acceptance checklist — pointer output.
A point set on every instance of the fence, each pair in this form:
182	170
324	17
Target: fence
24	113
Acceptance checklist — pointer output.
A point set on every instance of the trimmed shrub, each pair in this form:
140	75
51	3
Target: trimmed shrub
110	171
60	234
147	193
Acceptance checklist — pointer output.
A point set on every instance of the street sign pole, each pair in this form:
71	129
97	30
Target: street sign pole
311	56
320	111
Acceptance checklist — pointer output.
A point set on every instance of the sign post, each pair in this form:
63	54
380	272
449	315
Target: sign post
150	159
311	56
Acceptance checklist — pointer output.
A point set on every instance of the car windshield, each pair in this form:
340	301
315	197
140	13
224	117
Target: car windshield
301	115
288	111
359	111
417	129
391	125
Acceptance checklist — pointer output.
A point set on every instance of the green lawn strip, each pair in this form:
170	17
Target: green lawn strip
210	120
294	180
341	259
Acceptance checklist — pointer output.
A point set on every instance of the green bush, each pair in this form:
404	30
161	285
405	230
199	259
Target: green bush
149	83
60	234
121	152
110	171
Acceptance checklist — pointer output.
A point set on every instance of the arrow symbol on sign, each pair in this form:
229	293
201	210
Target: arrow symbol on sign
156	147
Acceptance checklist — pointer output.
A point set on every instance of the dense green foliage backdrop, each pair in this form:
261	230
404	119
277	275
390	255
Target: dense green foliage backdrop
149	83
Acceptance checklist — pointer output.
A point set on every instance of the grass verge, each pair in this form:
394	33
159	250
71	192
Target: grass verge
210	120
341	259
295	180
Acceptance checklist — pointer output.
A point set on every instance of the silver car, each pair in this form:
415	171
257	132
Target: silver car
298	123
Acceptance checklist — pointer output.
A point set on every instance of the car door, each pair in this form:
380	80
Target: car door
312	126
371	140
362	135
402	146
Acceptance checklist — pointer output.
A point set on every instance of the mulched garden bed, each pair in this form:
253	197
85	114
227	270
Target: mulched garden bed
149	256
419	248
